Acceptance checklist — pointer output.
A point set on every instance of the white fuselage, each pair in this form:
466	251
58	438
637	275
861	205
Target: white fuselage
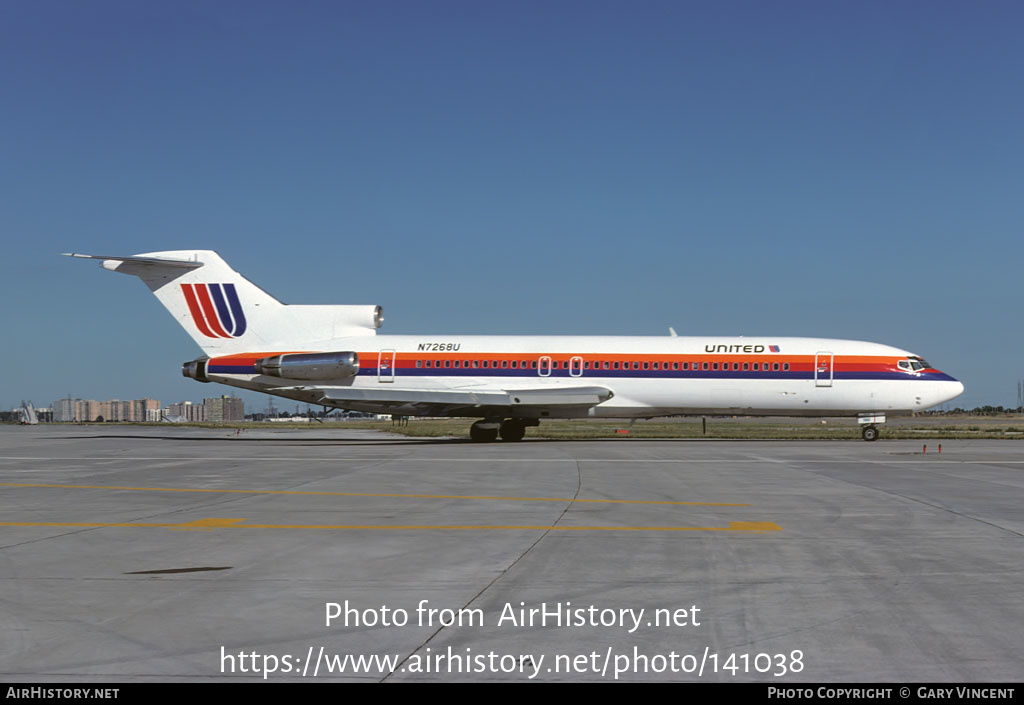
649	376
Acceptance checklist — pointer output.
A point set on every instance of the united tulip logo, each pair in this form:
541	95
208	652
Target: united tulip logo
216	309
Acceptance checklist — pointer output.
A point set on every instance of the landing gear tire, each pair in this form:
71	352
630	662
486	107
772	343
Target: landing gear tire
482	435
869	433
513	430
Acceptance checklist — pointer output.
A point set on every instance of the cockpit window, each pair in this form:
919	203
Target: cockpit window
918	363
904	364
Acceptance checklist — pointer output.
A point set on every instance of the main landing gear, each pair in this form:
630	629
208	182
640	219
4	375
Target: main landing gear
484	432
869	433
487	430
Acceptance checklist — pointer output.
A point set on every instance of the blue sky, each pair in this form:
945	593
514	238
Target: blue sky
849	170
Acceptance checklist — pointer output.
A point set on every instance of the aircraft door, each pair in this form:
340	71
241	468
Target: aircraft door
576	367
823	369
386	366
544	366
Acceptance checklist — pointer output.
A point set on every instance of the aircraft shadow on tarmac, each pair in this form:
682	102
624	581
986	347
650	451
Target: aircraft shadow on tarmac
410	441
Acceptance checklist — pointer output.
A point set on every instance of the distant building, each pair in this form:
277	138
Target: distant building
92	410
89	410
137	410
64	409
224	408
187	411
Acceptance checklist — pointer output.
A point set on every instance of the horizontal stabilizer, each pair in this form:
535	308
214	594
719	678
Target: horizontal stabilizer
153	261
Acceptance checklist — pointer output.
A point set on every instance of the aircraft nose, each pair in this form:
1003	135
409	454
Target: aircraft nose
953	389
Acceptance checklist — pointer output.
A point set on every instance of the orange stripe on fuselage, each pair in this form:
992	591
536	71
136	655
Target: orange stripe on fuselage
406	360
797	363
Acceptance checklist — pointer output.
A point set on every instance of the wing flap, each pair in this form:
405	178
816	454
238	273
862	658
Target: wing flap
446	400
567	396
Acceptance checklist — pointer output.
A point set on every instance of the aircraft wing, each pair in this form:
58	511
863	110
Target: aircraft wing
478	400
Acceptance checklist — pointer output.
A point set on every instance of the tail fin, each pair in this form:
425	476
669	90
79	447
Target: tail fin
226	313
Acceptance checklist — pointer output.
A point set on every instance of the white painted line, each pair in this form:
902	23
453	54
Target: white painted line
418	459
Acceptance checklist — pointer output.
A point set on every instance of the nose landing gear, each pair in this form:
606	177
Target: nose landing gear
867	421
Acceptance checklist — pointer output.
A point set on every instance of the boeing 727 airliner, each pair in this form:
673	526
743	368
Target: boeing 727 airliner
332	356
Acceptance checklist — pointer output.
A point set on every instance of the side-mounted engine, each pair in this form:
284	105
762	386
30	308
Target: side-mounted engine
310	366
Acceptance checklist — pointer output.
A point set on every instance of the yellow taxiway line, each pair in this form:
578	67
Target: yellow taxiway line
375	494
225	523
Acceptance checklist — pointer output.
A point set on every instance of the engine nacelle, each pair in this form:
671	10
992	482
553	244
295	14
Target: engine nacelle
310	366
196	369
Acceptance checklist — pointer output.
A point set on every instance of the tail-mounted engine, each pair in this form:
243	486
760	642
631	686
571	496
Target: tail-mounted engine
196	369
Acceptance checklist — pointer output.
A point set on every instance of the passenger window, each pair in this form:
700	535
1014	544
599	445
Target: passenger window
714	365
785	366
456	364
647	365
515	364
746	366
686	365
775	367
419	363
447	363
757	366
486	363
476	364
675	365
705	366
735	366
636	365
654	365
504	364
533	364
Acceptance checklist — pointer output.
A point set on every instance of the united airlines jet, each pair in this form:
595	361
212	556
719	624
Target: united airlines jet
333	356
